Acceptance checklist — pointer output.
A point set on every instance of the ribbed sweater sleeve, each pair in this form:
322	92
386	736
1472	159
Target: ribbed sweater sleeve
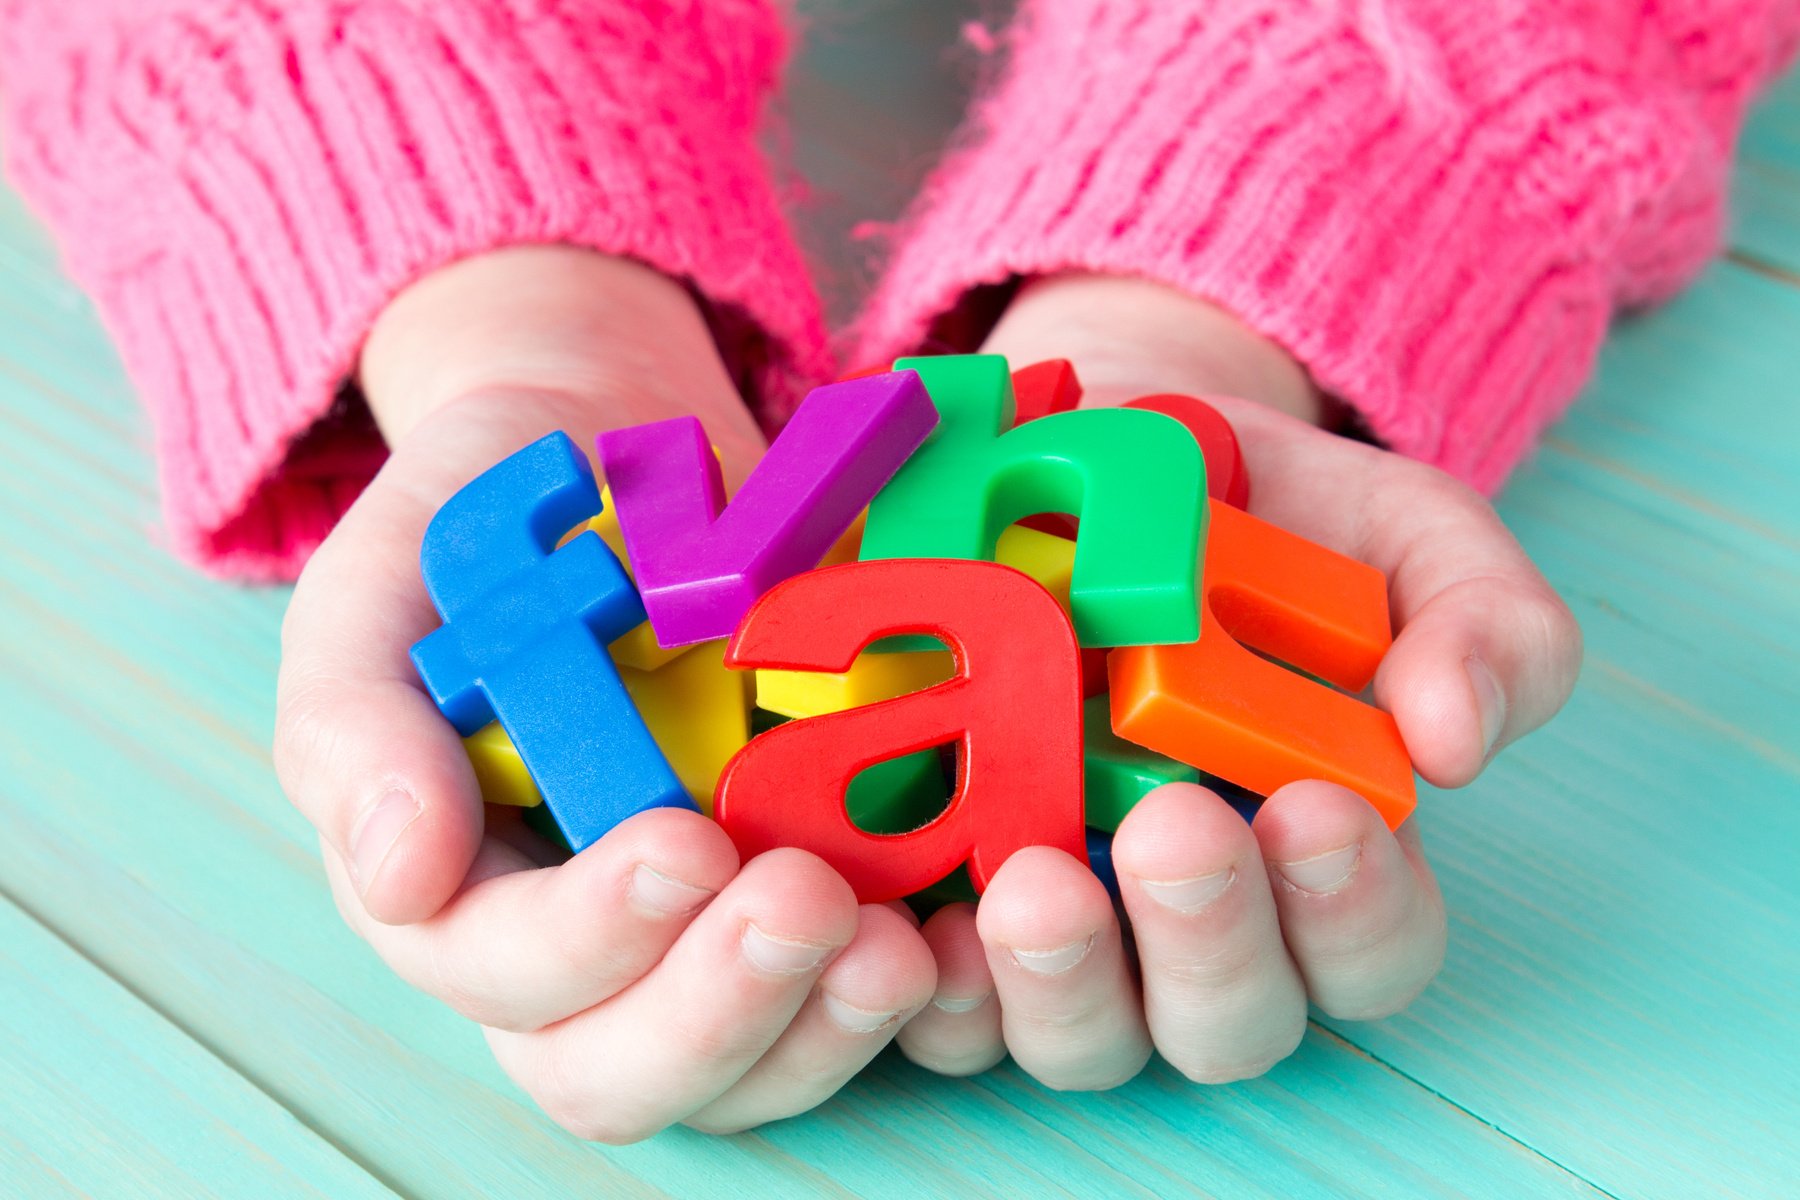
241	185
1436	205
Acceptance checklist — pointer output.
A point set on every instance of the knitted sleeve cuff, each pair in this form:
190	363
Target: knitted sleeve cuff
243	186
1433	205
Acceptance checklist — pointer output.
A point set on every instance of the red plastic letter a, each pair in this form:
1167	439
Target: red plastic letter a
1013	707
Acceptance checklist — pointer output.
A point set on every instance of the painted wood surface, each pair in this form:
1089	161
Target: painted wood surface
183	1011
1766	202
86	1064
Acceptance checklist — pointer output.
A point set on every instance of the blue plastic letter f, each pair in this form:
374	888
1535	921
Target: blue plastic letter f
526	626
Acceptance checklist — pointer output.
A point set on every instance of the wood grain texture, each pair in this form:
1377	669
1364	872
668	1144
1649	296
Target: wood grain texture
1622	885
105	1097
1614	1018
1766	196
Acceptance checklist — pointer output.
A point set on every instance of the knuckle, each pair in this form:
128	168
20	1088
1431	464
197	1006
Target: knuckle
600	958
1549	626
950	1061
461	981
581	1111
1375	998
316	713
1223	969
1558	629
1382	972
1411	931
1060	1018
1365	1008
1434	490
712	1042
302	730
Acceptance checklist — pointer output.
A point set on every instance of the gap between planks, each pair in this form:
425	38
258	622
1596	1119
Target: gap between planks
1470	1113
1767	268
373	1170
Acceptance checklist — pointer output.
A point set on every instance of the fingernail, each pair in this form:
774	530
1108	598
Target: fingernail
1490	701
960	1004
1323	873
852	1019
1189	895
663	894
376	830
1054	962
778	956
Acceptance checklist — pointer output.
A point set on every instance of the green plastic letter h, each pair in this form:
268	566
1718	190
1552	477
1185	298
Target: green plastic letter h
1135	479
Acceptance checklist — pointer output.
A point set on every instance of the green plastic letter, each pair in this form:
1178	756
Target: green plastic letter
1136	480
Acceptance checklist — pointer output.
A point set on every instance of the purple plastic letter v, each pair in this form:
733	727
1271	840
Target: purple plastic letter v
701	563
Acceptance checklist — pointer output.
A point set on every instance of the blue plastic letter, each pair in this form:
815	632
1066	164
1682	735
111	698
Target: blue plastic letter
525	633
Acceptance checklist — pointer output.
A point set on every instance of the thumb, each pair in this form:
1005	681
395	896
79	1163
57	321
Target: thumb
462	369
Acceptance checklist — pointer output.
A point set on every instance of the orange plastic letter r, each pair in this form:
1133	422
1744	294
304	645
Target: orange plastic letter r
1215	705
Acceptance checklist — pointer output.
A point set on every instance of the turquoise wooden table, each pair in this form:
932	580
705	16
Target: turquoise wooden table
182	1013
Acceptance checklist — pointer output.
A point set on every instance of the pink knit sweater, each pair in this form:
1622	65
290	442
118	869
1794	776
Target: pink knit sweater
1435	204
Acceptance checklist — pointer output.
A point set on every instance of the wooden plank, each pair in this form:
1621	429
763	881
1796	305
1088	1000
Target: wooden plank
105	1097
135	725
1765	224
1623	895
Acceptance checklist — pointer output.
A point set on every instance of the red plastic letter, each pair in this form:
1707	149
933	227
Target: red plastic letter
1013	707
1044	388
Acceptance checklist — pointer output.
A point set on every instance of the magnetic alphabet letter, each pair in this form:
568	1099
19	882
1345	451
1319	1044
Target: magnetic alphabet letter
1013	708
1135	479
525	633
1221	708
701	563
1226	478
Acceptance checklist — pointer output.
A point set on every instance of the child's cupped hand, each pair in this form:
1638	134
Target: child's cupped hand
653	978
1237	926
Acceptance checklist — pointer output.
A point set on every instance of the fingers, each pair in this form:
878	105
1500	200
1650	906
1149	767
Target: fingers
1486	652
678	1039
519	948
1069	1007
1359	908
359	748
1222	998
881	979
463	368
958	1033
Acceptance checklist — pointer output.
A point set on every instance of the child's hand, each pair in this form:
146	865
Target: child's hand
648	980
1236	926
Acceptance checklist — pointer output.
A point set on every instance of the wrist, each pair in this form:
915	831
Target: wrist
1131	337
551	319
